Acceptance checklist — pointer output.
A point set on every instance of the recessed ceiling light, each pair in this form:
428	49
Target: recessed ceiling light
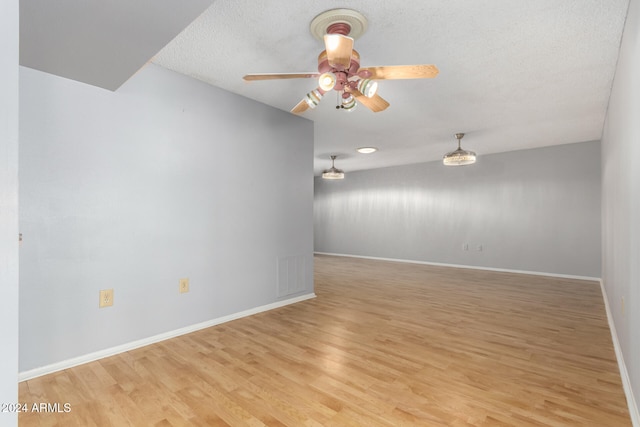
367	150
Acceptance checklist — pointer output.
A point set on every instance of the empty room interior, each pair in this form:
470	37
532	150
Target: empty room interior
229	213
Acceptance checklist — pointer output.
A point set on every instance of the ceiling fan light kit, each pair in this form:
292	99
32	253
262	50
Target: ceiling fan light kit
349	103
459	157
314	97
339	65
368	87
333	172
327	81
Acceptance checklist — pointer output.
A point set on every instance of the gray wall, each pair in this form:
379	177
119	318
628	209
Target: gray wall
132	190
621	200
533	210
9	207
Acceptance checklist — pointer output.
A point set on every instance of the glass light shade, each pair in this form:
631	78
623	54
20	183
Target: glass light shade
333	173
313	98
368	87
459	157
349	104
327	81
332	41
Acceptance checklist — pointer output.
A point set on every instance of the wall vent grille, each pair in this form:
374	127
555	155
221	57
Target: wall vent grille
291	275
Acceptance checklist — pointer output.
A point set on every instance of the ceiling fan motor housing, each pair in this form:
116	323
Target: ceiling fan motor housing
339	65
345	22
342	76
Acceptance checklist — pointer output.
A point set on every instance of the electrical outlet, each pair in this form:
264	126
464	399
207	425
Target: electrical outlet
184	285
106	298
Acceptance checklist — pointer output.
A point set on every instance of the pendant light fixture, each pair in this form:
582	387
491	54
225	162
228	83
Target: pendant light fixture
333	173
459	157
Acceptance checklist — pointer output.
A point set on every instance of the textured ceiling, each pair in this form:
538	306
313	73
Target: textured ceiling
513	74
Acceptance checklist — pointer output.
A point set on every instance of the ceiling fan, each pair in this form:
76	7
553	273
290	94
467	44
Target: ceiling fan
339	65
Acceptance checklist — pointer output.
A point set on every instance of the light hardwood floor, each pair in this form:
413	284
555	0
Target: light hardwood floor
383	344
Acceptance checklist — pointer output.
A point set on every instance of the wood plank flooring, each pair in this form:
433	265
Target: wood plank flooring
383	344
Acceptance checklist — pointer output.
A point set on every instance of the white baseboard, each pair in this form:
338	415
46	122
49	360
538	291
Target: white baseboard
624	374
472	267
65	364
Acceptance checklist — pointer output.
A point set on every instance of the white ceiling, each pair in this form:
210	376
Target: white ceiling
513	74
99	42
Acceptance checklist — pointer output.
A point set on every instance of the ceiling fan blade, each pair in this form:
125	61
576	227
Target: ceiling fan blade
339	50
300	107
277	76
376	103
390	72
